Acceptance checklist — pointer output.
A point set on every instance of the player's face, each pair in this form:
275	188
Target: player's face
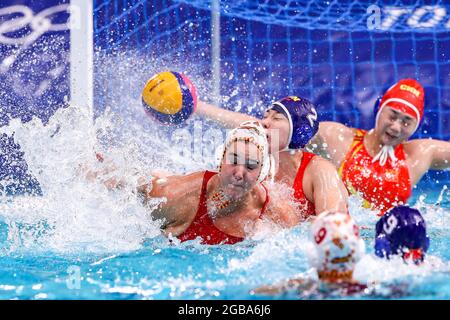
277	126
240	169
394	126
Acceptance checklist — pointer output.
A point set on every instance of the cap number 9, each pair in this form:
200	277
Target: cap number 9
390	224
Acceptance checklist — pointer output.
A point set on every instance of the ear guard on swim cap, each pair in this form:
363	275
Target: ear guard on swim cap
376	109
376	106
402	230
302	116
338	246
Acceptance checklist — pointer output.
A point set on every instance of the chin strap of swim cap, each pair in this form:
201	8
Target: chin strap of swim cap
385	153
272	166
251	131
406	96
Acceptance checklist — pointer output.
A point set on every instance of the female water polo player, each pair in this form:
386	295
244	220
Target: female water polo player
402	231
290	124
337	249
223	207
381	165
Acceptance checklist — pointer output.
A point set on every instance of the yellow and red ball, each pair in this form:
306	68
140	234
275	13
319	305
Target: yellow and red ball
169	97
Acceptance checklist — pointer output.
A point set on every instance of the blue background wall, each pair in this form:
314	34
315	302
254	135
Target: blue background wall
35	84
322	52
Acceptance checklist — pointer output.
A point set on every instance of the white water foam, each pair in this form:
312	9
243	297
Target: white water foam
77	215
74	214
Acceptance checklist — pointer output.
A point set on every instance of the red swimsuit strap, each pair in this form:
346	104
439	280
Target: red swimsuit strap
206	177
201	208
298	182
357	144
266	202
203	226
361	176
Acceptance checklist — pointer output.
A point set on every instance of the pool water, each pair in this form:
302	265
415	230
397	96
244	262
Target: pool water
81	241
158	269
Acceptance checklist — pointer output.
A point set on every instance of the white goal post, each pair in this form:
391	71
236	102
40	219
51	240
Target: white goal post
82	54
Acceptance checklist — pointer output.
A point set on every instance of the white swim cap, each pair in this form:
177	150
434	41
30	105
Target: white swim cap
337	244
254	132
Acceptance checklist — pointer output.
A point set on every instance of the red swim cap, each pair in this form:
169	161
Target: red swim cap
406	96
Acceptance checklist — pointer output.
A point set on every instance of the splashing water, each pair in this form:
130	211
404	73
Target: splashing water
73	214
76	215
111	237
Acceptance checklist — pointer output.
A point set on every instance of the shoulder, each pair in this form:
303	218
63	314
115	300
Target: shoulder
260	193
191	178
411	144
320	167
337	138
319	163
178	184
419	146
425	148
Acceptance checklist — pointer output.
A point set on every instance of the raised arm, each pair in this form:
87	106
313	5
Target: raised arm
316	144
329	191
331	141
441	154
426	154
105	172
226	118
178	193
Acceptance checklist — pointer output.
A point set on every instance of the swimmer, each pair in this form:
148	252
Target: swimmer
290	124
221	207
380	165
337	249
402	231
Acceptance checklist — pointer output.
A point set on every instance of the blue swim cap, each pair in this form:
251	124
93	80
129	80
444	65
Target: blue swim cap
302	116
402	230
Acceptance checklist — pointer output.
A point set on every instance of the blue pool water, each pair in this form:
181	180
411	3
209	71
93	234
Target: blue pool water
79	241
160	270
